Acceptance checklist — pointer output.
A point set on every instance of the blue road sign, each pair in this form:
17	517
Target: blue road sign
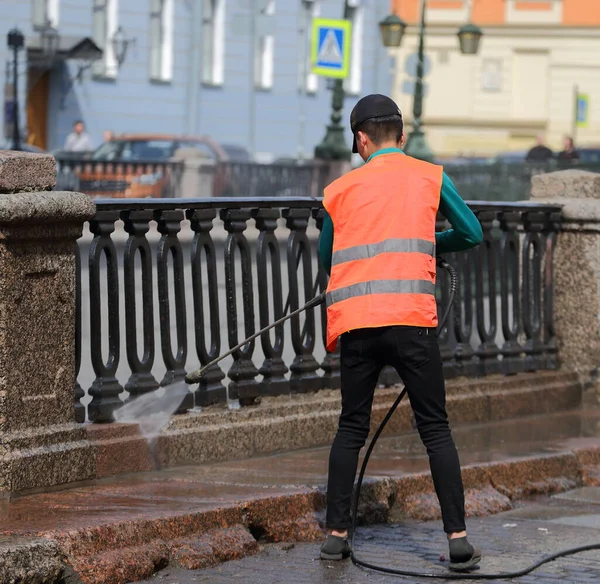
331	47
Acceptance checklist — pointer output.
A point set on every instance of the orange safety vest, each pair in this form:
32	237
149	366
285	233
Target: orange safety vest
383	264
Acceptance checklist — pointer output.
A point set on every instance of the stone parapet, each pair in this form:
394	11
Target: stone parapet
576	265
41	443
24	172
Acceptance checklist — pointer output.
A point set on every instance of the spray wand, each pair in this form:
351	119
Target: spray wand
196	376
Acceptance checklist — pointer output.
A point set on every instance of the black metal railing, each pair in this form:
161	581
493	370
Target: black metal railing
167	285
247	179
501	181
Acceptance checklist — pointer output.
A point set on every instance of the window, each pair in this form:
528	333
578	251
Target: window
352	84
312	80
161	40
264	49
491	75
45	13
104	27
213	39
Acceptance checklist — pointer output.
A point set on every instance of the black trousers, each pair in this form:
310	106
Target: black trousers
415	354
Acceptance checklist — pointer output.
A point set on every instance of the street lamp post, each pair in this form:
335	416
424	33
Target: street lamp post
16	41
392	31
416	145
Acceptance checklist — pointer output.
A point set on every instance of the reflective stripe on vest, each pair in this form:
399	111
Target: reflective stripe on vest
381	287
361	252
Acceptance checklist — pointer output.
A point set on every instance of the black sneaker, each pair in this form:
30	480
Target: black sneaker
463	556
335	548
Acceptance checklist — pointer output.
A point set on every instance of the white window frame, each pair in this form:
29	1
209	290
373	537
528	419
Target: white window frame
353	83
44	13
265	53
213	48
161	40
312	79
105	24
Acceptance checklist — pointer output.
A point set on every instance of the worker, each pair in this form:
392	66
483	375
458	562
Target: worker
379	244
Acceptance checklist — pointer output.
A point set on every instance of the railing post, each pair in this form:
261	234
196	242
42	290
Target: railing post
105	389
242	373
445	333
510	298
331	363
169	225
78	393
141	381
551	229
304	368
464	355
273	368
485	286
533	222
210	389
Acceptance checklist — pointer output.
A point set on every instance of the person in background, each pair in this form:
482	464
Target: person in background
78	140
108	135
540	152
569	154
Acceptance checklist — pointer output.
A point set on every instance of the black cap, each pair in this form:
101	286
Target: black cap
371	107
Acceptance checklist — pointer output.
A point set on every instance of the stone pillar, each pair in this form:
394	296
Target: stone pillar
576	269
199	175
41	445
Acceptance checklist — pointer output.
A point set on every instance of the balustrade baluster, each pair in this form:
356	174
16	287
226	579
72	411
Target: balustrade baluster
509	292
533	223
445	333
141	381
304	368
464	354
273	369
78	392
169	225
242	373
331	363
485	288
210	389
551	229
105	389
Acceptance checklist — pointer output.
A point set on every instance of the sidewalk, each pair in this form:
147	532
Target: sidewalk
510	541
124	529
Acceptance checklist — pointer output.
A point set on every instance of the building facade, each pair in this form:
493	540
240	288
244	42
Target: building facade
236	70
534	56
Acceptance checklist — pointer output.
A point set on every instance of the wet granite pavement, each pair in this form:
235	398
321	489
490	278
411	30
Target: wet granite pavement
126	528
212	486
510	541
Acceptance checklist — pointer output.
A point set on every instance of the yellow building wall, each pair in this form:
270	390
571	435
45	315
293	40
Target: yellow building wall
519	85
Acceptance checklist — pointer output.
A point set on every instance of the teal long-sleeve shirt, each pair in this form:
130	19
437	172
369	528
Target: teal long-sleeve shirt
465	231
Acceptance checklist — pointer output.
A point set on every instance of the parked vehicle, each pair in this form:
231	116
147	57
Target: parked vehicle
139	165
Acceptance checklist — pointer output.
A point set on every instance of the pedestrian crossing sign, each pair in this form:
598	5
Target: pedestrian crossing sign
331	47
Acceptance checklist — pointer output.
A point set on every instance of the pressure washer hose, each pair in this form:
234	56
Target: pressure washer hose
438	575
195	377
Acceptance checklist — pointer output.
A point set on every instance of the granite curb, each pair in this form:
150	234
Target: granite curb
291	423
